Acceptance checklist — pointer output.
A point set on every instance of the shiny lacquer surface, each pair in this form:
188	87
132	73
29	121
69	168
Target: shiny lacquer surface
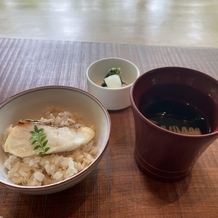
148	22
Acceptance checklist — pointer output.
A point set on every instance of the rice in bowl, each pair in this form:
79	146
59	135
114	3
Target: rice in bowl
39	170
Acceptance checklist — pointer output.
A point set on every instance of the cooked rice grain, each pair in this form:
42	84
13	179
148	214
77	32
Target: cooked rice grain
48	169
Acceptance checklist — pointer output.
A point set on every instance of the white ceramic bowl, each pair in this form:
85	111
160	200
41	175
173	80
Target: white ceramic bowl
33	102
112	98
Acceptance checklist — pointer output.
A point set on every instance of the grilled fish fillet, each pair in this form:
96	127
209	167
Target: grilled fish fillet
60	138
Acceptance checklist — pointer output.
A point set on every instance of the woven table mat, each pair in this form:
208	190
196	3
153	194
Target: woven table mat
116	188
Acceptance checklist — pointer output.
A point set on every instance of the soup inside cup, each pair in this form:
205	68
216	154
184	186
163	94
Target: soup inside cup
167	97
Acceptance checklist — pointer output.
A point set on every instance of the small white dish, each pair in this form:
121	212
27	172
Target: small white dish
32	103
112	98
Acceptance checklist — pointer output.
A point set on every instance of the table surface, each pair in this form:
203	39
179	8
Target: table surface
116	188
186	23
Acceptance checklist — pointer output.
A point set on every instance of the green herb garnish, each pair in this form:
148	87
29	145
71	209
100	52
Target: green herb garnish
113	71
38	139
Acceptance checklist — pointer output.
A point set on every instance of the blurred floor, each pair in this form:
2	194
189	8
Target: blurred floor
148	22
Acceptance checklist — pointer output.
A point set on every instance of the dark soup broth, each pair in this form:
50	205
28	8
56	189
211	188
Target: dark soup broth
160	107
